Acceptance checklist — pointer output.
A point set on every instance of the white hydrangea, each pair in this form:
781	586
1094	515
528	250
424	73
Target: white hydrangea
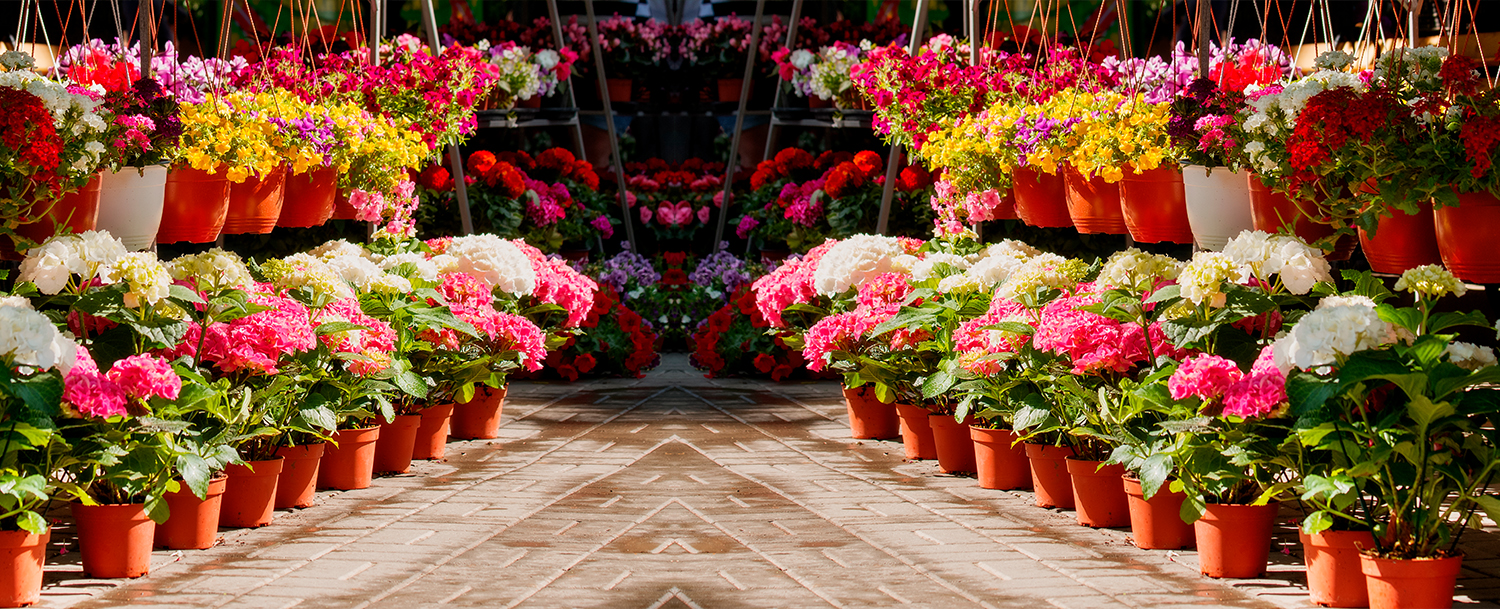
960	283
853	261
1202	279
1042	271
388	283
304	271
145	276
28	338
1262	255
423	268
15	301
444	263
1334	330
1470	356
1431	280
1137	270
356	270
215	269
339	249
50	265
497	261
926	268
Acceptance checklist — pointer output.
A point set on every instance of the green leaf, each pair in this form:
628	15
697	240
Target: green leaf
181	292
938	384
1491	506
196	472
32	522
1366	284
1154	472
1317	522
1424	411
334	327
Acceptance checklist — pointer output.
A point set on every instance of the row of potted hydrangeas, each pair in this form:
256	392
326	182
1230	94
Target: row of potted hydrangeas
162	399
1188	399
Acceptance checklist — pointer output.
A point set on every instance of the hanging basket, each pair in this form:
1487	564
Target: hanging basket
1218	204
1273	211
255	204
1041	199
130	204
1402	241
1155	205
75	212
195	205
1467	236
1093	204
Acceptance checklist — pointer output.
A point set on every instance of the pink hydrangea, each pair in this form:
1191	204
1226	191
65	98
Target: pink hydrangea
1259	393
884	289
973	336
256	342
791	283
516	333
375	342
841	332
1204	376
90	393
465	289
560	284
146	376
983	206
1092	342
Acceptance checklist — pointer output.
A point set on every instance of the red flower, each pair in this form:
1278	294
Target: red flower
507	179
519	158
843	180
913	178
1460	76
567	372
26	128
719	322
832	159
584	363
435	177
794	158
630	321
674	277
558	159
764	362
675	258
1479	134
481	162
101	68
780	373
868	162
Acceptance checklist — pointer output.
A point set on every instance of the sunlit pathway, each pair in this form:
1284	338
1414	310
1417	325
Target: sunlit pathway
674	491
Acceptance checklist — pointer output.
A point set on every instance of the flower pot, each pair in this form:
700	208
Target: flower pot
432	434
115	540
1271	211
193	523
916	432
393	450
250	498
349	463
730	88
1402	241
1041	199
1098	495
1093	204
194	207
78	211
22	554
1466	237
130	204
534	101
955	448
1156	523
620	89
1049	475
999	461
342	210
309	198
478	418
1154	206
298	483
1235	540
1334	576
1403	584
255	204
869	418
1218	204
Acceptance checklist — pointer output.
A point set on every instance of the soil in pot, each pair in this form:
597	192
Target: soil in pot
349	461
478	418
998	460
432	434
916	432
22	555
955	447
115	540
298	485
1156	523
250	498
194	522
1409	584
1235	540
1049	475
1098	496
869	418
393	449
1334	575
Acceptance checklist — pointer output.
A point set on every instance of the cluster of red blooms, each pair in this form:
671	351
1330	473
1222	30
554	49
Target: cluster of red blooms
26	131
1247	68
710	344
842	172
1330	120
1480	133
847	176
787	163
614	334
508	171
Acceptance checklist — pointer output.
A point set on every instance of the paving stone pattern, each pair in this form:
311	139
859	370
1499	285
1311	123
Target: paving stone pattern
678	491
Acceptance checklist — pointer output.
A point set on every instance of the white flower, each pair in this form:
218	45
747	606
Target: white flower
444	263
1334	60
1134	269
1470	356
926	268
15	301
146	277
388	283
954	284
801	58
1340	326
1431	280
423	268
97	249
1202	279
338	249
356	270
497	261
1042	271
1262	255
214	269
50	265
303	271
853	261
28	338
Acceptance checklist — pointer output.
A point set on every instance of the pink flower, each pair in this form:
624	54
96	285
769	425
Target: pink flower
884	289
1091	341
145	376
703	214
559	284
746	225
516	333
375	341
91	393
465	289
791	283
646	214
256	342
1204	376
841	332
1261	392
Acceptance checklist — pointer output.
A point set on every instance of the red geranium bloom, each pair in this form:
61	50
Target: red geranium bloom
568	372
674	277
779	373
480	162
764	362
435	177
675	258
559	159
869	162
584	363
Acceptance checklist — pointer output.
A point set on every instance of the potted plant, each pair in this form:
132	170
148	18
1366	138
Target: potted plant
1466	170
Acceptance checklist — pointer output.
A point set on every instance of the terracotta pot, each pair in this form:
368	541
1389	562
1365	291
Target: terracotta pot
999	461
869	418
255	204
534	101
1154	206
1093	204
955	448
620	89
916	432
1156	523
729	89
478	418
250	498
397	438
1049	475
1271	211
193	523
22	554
1408	584
1466	237
78	211
130	204
115	540
342	210
432	434
1218	204
349	463
298	485
1334	576
1098	495
1235	540
1007	208
1402	241
195	205
1041	199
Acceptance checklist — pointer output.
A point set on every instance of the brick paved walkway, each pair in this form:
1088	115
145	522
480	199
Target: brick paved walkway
676	491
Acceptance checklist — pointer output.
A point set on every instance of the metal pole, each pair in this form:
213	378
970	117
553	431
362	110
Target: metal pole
889	191
376	30
557	38
609	121
147	36
975	31
455	158
1202	29
739	123
791	38
1412	8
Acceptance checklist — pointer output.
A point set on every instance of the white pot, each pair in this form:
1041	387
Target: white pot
1218	204
130	204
